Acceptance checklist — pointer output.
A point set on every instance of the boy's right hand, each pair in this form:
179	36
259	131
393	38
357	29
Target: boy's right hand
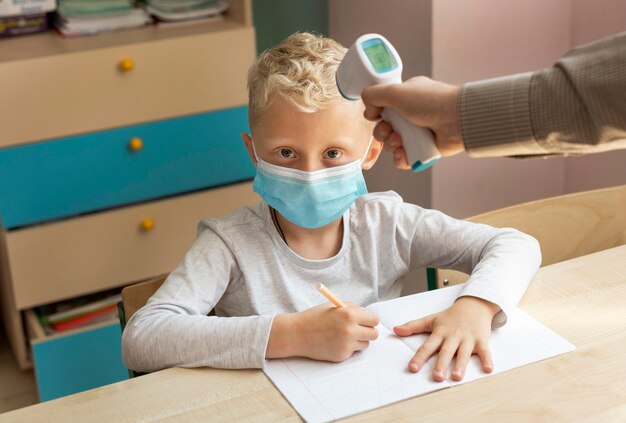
323	332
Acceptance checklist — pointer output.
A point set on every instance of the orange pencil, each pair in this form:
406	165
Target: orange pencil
331	297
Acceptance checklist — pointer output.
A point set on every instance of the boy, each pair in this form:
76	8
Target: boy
258	268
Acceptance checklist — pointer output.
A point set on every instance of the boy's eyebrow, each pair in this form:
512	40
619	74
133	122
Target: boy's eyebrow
343	142
279	142
340	142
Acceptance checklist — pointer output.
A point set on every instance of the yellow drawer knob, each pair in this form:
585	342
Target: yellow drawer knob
135	144
127	65
147	224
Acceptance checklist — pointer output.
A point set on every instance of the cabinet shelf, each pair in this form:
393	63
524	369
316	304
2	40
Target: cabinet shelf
52	43
72	86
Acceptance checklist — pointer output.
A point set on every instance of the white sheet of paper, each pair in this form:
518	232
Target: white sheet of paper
378	375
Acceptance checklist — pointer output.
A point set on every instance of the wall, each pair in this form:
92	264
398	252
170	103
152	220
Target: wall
483	39
488	38
592	21
274	20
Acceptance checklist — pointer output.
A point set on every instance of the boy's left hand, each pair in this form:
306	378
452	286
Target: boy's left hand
461	330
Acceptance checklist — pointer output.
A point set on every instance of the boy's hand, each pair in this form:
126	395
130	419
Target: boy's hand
323	332
461	330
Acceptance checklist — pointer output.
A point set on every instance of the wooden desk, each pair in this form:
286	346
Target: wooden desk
582	299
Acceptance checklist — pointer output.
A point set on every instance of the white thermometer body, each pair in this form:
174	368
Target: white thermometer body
373	60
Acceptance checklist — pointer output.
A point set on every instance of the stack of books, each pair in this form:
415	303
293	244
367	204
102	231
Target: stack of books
21	17
73	314
185	10
86	17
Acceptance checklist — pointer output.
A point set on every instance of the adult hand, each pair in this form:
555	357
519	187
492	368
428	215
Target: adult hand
422	101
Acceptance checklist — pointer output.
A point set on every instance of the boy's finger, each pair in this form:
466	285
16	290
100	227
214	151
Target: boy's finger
424	352
485	357
361	345
462	359
414	326
367	334
367	318
446	353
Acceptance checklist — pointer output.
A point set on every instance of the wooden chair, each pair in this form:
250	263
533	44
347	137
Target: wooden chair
133	298
136	296
566	227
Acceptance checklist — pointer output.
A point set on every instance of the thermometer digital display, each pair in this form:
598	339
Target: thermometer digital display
380	58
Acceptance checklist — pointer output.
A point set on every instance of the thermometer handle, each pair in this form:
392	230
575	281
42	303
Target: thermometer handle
419	143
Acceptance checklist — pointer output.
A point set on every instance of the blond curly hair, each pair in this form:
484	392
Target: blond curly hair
301	70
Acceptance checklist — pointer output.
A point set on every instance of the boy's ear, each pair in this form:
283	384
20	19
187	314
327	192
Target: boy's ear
372	154
247	140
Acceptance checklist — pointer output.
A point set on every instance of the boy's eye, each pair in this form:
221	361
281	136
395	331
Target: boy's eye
334	154
286	153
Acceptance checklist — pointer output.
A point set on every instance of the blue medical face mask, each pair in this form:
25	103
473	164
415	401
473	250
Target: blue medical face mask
310	199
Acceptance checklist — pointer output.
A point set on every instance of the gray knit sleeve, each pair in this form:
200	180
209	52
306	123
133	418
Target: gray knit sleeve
173	328
576	107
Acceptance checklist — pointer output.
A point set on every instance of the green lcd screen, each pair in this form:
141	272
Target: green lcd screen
379	56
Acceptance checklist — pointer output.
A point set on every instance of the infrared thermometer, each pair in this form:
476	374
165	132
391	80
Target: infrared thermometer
373	60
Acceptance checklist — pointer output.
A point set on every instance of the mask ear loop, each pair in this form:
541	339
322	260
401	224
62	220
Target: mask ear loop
367	150
254	150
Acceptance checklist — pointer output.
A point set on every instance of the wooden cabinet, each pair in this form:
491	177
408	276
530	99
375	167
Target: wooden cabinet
50	180
112	149
98	251
54	87
76	360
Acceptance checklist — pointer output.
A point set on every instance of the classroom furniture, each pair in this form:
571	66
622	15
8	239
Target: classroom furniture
566	226
581	299
112	149
135	296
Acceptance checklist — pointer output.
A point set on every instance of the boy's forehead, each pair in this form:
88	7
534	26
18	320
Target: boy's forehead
342	118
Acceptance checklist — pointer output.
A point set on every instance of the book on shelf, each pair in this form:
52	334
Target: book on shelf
103	314
26	7
184	10
77	312
74	312
90	17
11	26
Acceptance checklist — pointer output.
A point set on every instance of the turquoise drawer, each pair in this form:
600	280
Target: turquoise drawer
77	361
70	176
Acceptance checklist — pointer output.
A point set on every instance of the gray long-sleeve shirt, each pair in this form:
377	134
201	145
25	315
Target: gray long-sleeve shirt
578	106
241	268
